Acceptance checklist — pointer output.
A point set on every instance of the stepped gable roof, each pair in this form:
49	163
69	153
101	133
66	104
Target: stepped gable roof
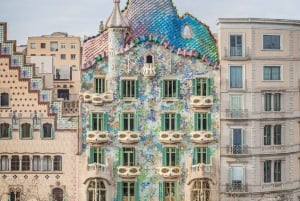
159	18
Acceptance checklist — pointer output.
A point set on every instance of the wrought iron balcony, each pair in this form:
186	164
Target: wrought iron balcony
237	149
237	113
236	53
237	187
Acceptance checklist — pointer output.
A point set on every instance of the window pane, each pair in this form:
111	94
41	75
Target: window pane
267	171
4	130
4	99
25	163
277	104
271	42
277	171
47	130
15	163
271	72
236	77
235	45
277	134
267	135
57	164
268	104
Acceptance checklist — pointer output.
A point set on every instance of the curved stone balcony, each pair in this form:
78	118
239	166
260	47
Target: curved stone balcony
128	137
201	101
97	137
202	137
148	70
97	169
97	99
128	171
201	170
169	172
170	137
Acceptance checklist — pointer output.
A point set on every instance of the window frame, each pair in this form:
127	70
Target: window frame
233	53
271	67
169	90
47	163
73	56
25	164
96	187
100	84
202	86
201	187
128	121
202	121
272	171
43	45
172	186
271	48
4	97
36	163
170	156
15	163
233	86
128	88
98	121
202	155
97	155
273	135
63	56
51	131
132	192
57	163
5	127
22	132
272	102
127	156
170	121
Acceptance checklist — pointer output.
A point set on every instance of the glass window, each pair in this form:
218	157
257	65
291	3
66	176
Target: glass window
4	163
128	191
100	85
128	88
169	190
237	141
237	178
149	59
170	88
32	45
272	73
128	122
58	194
170	121
5	130
73	56
47	130
43	45
96	190
202	86
201	155
236	77
53	46
25	163
63	93
272	102
96	155
63	45
47	163
57	163
267	171
73	45
271	42
4	100
26	130
170	156
15	163
36	163
275	175
201	190
62	56
202	121
277	171
236	45
128	156
15	195
267	135
276	134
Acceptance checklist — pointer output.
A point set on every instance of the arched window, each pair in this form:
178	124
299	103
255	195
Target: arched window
201	190
187	31
4	100
149	59
96	190
57	194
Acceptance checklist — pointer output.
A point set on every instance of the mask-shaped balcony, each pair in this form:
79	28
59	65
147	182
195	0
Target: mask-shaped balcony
97	99
97	137
202	137
128	171
169	172
201	101
170	137
128	137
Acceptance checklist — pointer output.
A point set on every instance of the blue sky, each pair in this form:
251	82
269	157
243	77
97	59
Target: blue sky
81	17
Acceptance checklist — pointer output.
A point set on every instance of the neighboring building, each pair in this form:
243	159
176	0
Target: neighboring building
38	135
66	54
260	109
150	117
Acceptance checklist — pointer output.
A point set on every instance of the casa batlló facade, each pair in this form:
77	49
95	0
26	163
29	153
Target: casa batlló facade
150	109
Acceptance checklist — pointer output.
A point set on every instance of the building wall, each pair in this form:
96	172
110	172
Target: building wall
251	117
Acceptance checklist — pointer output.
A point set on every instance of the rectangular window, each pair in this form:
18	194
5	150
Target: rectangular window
47	163
170	88
63	93
236	77
128	191
25	131
4	163
57	163
99	85
5	130
96	155
63	45
272	73
267	171
73	56
128	122
202	86
238	138
170	156
272	102
15	163
271	42
25	163
236	45
277	171
63	56
53	46
202	121
128	88
36	163
43	45
276	135
32	45
4	100
168	191
73	45
201	155
237	178
170	122
128	156
98	121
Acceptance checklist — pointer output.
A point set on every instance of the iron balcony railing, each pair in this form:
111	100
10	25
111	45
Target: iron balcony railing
237	113
237	149
237	187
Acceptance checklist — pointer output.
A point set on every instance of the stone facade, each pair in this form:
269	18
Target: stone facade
259	109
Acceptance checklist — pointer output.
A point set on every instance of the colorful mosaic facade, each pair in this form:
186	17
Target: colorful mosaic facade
150	112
